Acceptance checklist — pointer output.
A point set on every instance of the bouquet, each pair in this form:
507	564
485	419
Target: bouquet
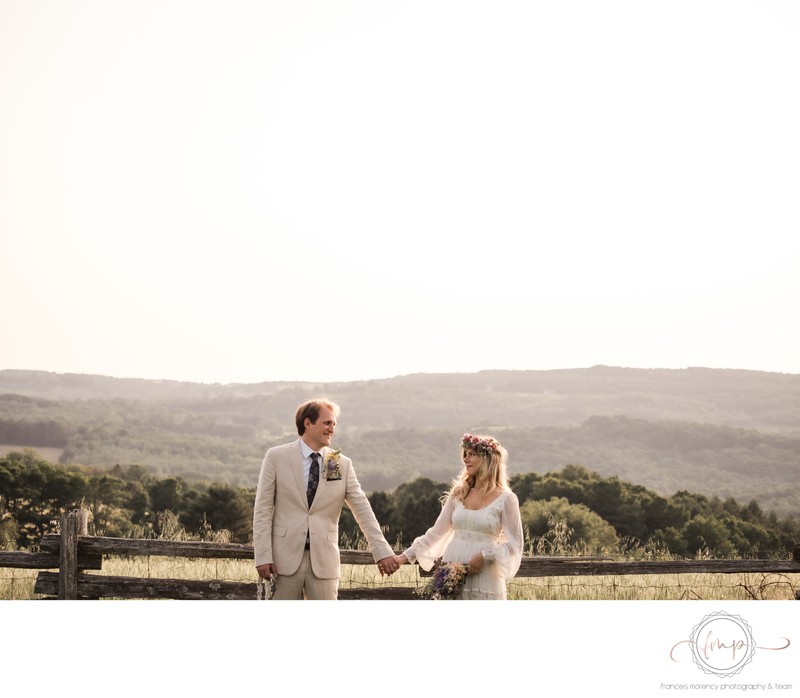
447	581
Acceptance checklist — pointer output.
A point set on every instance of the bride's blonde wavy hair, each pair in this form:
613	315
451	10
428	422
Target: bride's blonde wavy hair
493	469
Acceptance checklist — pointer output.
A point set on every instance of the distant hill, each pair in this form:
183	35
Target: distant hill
746	399
716	431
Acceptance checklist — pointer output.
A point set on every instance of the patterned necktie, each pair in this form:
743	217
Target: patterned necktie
313	478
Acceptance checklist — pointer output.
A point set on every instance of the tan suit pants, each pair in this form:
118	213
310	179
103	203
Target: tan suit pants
304	585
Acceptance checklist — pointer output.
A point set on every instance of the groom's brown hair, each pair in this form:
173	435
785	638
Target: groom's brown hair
310	410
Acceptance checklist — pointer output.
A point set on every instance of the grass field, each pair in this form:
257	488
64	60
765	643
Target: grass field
19	584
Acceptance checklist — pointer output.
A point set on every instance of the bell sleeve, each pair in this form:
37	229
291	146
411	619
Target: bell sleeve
506	554
432	544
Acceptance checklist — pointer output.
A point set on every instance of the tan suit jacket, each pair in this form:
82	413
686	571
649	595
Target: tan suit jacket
282	518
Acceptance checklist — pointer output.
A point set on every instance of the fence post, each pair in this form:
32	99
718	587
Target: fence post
73	524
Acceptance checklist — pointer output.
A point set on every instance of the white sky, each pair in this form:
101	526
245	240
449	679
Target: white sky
248	191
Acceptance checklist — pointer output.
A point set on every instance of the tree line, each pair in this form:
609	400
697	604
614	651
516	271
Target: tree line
226	443
572	509
123	501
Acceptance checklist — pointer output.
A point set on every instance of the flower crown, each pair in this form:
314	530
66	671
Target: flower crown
486	445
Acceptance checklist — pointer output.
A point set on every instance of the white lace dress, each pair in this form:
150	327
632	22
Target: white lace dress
459	533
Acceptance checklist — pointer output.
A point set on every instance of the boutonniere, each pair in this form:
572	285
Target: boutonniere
332	469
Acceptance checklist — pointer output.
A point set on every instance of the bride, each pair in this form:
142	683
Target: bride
479	524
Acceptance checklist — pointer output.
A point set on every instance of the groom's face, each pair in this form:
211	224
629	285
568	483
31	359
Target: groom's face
319	434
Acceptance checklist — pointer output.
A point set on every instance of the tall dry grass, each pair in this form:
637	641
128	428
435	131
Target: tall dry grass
19	584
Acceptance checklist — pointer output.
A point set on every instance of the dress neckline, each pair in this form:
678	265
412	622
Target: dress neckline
486	506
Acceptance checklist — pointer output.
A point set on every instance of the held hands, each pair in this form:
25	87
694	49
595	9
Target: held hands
388	565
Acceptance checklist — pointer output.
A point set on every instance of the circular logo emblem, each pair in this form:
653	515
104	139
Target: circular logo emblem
722	644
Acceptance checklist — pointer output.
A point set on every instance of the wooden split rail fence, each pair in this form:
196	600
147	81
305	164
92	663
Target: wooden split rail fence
73	552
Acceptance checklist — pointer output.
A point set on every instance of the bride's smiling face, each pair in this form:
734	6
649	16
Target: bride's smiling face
471	460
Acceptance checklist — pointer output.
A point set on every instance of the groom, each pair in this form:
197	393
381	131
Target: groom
301	490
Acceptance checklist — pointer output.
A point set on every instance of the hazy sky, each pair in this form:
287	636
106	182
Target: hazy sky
251	191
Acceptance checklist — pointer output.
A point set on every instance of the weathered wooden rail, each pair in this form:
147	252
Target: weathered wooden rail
73	553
